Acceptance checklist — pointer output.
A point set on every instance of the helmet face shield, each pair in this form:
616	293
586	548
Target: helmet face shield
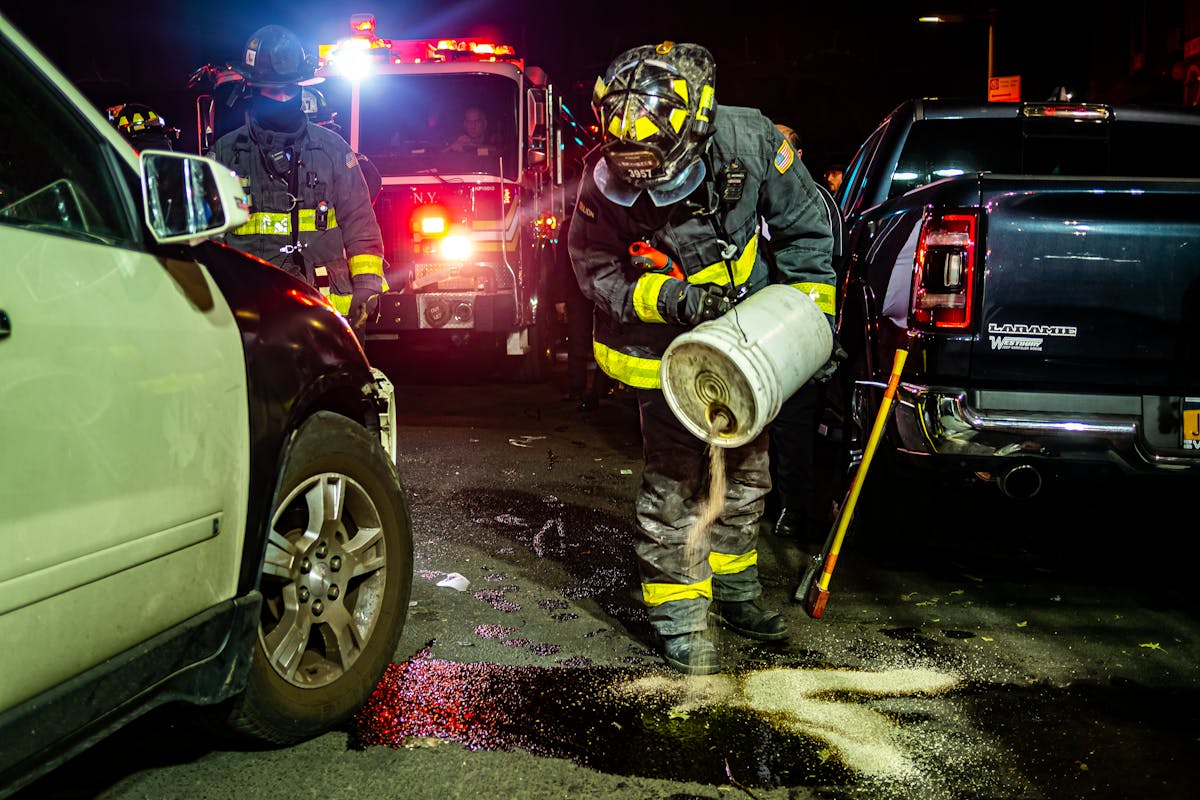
655	106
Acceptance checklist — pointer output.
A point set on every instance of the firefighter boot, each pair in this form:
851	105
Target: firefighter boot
792	524
689	653
746	618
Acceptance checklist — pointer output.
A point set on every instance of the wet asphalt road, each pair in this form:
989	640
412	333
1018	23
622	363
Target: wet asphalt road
971	648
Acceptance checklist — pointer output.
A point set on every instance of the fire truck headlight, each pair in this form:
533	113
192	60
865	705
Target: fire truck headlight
456	248
354	64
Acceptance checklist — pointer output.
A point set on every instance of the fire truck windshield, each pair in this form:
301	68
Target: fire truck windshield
433	123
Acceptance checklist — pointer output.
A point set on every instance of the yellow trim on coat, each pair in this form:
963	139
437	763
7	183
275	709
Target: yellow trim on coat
640	373
645	296
341	302
742	266
822	294
271	223
366	264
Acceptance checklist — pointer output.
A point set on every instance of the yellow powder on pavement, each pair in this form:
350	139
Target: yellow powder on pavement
821	703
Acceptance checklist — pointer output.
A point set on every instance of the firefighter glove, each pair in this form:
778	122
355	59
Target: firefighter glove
699	302
837	355
363	304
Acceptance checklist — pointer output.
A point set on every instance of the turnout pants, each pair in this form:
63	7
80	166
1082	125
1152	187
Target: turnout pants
680	578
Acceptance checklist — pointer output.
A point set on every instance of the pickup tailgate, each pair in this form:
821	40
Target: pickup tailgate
1090	284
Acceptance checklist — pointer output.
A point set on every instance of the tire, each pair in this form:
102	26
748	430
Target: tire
324	643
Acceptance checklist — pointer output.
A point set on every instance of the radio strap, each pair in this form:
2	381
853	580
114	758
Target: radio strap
293	184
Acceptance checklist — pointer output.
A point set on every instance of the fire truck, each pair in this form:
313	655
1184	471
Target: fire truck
469	227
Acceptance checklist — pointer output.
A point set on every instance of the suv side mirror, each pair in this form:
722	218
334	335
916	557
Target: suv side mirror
189	198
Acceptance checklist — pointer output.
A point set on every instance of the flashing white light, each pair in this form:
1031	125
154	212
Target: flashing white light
456	248
354	61
948	173
904	176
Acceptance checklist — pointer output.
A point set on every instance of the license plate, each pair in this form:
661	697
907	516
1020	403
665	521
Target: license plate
1189	430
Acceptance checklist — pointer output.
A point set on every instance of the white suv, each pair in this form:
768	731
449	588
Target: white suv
196	500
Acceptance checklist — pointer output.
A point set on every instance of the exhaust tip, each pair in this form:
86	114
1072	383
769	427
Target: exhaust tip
1021	482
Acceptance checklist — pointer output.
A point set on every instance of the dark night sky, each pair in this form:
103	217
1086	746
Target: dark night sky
830	69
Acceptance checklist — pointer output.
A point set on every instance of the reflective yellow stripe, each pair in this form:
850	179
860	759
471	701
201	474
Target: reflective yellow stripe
706	104
270	223
644	128
726	564
341	302
645	296
822	294
716	273
655	594
678	117
681	89
366	265
641	373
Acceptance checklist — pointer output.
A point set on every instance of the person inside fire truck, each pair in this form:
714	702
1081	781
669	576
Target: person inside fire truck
475	135
693	181
310	207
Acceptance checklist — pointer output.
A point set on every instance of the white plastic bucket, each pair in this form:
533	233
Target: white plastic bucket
740	367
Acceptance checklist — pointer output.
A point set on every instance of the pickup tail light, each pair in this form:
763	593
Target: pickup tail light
943	287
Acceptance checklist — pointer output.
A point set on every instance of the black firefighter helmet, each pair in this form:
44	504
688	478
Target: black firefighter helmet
274	57
656	107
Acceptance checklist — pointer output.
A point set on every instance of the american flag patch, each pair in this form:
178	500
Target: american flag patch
784	157
352	160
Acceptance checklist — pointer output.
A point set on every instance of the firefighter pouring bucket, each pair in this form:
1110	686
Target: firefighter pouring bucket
738	369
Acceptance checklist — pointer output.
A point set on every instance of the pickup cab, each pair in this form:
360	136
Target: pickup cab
1041	264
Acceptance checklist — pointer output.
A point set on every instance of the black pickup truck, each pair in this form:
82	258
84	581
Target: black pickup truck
1041	264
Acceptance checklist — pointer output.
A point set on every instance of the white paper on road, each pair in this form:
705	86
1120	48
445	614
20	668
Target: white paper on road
455	581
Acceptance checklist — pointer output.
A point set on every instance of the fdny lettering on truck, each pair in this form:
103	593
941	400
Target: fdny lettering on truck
1021	336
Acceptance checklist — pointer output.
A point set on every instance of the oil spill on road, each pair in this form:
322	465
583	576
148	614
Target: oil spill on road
582	715
766	728
900	733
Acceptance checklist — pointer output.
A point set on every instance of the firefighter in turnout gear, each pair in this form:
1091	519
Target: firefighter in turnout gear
310	207
692	181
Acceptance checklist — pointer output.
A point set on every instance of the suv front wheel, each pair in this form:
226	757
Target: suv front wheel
335	583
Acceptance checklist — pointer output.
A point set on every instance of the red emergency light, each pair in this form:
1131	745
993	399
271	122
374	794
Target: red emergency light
430	220
363	25
473	50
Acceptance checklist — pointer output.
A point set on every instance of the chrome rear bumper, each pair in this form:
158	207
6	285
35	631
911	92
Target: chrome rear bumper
941	422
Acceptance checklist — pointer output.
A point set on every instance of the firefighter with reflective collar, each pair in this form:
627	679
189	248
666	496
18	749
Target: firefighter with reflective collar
310	208
691	181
